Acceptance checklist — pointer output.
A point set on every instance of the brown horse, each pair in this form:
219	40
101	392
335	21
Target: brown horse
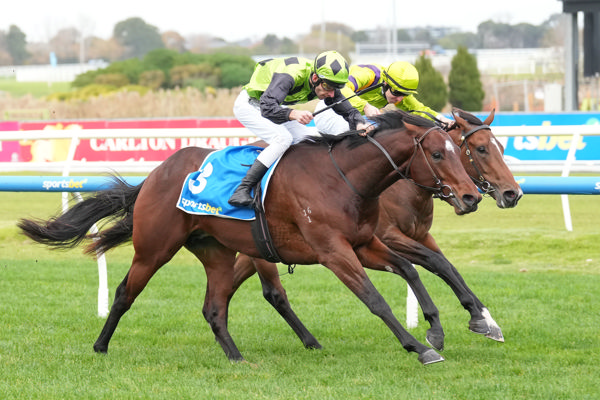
405	218
322	207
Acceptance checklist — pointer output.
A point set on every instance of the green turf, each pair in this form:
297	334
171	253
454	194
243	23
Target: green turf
35	89
539	281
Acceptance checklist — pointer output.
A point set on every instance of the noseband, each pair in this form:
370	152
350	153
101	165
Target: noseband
485	186
441	191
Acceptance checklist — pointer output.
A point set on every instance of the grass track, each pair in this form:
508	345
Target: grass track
539	281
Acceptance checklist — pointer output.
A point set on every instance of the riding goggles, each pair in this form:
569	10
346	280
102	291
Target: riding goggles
398	93
329	85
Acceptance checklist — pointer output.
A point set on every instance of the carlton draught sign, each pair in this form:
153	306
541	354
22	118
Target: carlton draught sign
117	149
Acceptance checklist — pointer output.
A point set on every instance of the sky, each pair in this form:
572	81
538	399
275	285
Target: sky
235	20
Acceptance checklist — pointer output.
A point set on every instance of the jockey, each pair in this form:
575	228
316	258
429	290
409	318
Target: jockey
262	107
398	83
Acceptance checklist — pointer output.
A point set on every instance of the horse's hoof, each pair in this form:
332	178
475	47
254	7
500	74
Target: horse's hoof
479	326
430	357
495	334
435	340
486	326
313	346
100	349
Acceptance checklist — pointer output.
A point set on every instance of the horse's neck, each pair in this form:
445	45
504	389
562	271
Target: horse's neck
367	167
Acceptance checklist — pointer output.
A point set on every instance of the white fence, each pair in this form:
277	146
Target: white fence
570	164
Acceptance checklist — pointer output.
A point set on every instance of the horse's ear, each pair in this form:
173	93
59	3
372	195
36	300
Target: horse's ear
456	114
490	118
412	129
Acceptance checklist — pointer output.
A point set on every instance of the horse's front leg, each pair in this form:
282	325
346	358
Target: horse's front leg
384	259
430	257
274	293
347	267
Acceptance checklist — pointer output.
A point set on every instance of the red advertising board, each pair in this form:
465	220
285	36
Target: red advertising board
114	149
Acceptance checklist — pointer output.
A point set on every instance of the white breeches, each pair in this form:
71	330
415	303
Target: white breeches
329	121
279	137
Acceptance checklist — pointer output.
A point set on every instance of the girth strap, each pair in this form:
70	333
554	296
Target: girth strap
260	230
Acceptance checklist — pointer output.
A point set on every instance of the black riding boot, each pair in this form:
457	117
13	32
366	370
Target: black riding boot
241	197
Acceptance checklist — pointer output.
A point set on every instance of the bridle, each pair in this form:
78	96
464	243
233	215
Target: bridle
485	186
442	191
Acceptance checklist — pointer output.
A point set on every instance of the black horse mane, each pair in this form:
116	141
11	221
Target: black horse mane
384	122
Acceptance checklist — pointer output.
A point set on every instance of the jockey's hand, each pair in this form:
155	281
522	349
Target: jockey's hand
446	122
371	111
365	128
302	116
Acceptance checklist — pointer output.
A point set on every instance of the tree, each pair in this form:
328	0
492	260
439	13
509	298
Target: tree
465	39
466	89
173	41
499	35
432	88
5	58
108	50
66	45
137	37
16	44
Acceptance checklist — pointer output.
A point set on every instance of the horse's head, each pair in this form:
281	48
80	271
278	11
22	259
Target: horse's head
435	164
482	158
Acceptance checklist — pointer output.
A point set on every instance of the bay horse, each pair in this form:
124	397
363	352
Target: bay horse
322	207
405	218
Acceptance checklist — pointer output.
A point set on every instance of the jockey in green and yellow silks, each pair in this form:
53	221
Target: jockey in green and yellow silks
262	107
397	84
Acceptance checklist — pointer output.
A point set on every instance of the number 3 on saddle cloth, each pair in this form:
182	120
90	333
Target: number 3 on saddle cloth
206	191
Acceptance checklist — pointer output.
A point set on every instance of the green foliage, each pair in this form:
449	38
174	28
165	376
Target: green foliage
131	68
89	91
95	90
184	75
234	75
86	78
432	88
466	90
163	59
116	79
178	70
153	79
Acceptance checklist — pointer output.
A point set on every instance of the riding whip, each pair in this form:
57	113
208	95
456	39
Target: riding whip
342	100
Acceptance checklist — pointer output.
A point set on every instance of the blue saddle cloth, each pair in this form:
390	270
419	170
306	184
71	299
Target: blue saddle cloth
206	191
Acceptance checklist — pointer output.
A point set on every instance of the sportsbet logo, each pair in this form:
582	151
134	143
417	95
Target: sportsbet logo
64	184
205	207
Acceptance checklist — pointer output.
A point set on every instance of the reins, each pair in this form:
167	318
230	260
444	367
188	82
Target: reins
405	175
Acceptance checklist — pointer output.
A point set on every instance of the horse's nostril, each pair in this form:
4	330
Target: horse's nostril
509	195
469	200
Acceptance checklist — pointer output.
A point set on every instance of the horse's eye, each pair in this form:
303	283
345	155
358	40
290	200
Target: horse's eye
436	156
481	150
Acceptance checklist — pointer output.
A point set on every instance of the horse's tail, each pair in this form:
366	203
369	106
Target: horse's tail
69	229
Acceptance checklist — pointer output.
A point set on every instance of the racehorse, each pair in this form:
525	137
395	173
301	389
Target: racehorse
322	207
405	218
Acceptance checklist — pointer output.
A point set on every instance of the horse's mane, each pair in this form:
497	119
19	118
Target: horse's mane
470	118
384	122
396	119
